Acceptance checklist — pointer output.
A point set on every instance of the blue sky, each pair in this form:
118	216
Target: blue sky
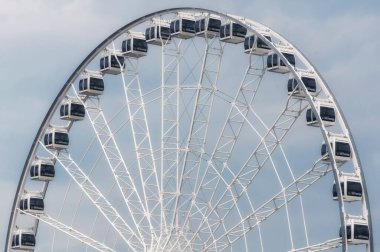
42	42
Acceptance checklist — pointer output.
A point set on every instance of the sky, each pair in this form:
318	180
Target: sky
42	42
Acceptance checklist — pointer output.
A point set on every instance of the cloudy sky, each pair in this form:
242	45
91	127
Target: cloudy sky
43	41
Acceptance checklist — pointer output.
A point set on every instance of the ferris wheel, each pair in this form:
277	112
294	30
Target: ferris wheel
192	130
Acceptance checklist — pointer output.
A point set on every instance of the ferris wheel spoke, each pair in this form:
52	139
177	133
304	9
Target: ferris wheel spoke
98	199
330	244
69	230
116	162
196	137
261	154
273	165
318	170
142	144
232	126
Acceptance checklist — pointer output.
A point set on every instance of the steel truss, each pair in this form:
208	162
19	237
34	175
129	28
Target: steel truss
98	199
69	231
116	162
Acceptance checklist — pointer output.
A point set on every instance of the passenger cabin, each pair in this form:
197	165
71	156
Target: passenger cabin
56	138
208	26
135	46
340	147
72	110
357	231
42	170
183	27
232	33
112	64
326	111
277	65
32	203
296	90
91	85
23	240
255	45
351	187
158	34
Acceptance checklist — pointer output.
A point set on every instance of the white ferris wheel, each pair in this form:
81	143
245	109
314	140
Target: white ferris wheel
192	130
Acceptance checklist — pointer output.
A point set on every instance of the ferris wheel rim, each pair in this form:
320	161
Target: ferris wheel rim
123	29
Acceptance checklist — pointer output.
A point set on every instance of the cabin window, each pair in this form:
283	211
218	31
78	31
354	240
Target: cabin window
324	149
292	84
310	84
16	240
24	204
149	33
48	139
34	171
248	42
261	43
117	61
124	46
327	114
361	232
342	149
77	110
274	60
200	25
140	45
348	232
228	30
290	58
96	84
28	240
174	26
104	62
82	84
238	30
310	117
36	204
214	25
335	192
354	189
64	110
222	32
61	138
165	33
188	25
47	170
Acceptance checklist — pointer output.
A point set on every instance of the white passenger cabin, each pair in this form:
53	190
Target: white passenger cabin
91	84
357	230
232	32
42	169
32	202
158	33
23	240
56	138
135	46
72	110
351	186
308	80
253	44
183	26
326	111
112	63
277	65
208	26
341	148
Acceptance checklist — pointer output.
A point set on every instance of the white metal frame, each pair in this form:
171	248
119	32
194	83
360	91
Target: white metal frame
240	109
